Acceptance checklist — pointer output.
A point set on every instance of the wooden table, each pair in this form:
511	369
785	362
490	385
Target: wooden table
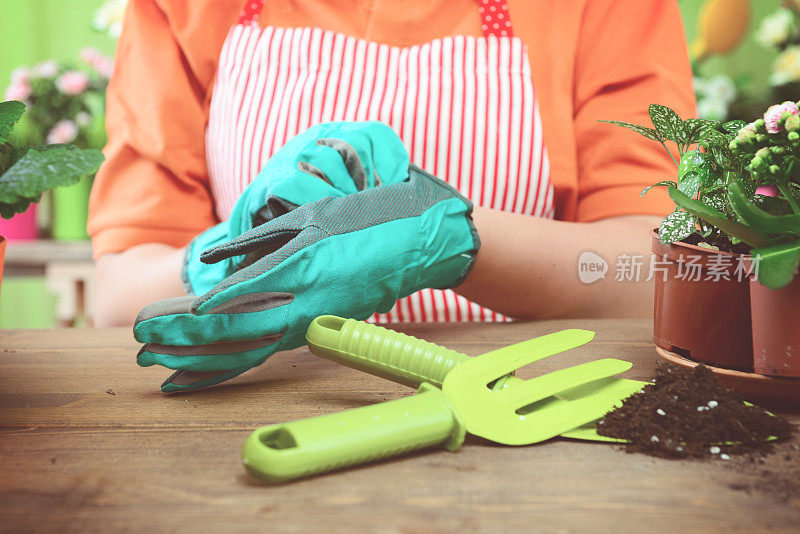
89	444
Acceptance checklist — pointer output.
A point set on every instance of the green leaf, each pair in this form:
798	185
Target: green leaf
642	130
719	220
662	183
777	265
734	126
713	138
695	129
760	220
676	226
690	183
668	124
41	169
716	202
10	113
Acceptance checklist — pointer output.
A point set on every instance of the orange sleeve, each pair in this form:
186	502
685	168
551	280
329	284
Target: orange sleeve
631	53
153	187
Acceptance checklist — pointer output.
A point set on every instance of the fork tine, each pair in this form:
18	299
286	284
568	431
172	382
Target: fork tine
482	401
541	387
495	364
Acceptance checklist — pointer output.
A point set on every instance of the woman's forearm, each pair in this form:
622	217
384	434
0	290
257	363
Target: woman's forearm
527	267
127	281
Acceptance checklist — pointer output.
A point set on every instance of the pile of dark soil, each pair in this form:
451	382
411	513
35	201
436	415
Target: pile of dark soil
687	413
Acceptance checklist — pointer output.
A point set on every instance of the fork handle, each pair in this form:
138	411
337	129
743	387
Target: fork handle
381	352
283	452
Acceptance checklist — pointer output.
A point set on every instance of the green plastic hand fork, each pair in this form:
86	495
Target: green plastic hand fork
410	361
466	403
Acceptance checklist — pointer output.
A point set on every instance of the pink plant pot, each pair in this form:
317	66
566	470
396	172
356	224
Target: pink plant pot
20	227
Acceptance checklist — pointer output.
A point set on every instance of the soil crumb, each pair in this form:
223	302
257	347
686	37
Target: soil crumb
686	413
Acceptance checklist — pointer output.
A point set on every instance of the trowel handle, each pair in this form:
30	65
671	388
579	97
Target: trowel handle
381	352
279	453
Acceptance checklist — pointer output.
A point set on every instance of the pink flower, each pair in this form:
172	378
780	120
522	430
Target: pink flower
46	69
767	190
20	75
774	114
103	65
89	54
19	90
63	132
72	82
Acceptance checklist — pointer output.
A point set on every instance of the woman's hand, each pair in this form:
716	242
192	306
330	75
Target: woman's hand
352	256
127	281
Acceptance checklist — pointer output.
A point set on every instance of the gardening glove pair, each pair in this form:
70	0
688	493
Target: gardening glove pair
331	159
350	256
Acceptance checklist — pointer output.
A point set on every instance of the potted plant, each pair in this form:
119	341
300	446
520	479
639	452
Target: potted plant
27	171
701	307
66	104
770	224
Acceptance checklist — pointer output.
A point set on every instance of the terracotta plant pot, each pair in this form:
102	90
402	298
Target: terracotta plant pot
776	329
706	320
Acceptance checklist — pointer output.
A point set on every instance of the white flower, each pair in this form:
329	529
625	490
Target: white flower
63	132
775	29
721	87
709	108
108	18
786	68
700	85
83	118
46	69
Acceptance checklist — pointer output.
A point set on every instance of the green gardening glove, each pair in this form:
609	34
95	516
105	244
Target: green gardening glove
350	256
331	159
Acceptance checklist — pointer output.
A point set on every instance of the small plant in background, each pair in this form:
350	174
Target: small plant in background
66	101
780	31
704	173
714	96
720	186
28	171
108	18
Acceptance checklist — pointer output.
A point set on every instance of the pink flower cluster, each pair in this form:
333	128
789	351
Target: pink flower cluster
72	82
62	133
20	88
774	113
103	65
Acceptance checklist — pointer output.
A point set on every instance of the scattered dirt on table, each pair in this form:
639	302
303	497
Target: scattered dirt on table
686	413
777	475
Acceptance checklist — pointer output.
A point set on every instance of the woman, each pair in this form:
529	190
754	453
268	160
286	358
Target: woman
500	99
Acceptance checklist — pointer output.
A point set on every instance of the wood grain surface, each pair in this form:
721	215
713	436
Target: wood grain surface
89	444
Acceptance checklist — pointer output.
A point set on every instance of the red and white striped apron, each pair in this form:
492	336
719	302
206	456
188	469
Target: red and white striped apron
465	108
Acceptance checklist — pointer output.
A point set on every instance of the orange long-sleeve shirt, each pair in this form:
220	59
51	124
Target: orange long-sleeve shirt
590	60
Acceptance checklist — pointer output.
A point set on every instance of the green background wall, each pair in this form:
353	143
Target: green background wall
35	30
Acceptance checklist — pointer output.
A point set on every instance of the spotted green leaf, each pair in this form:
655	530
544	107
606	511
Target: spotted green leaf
695	129
642	130
667	123
676	226
663	183
690	183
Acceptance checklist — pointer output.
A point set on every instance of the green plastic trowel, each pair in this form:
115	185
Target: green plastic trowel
519	412
410	361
